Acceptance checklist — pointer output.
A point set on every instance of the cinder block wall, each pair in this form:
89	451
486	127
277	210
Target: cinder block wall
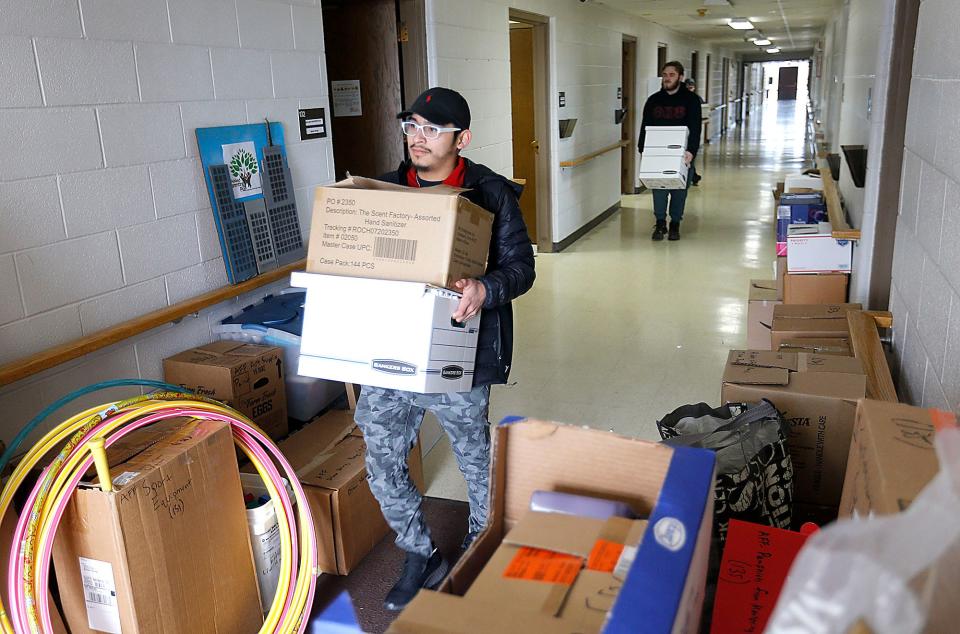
925	297
103	212
471	53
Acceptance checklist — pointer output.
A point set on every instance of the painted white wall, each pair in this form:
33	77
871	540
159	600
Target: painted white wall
469	51
867	72
103	212
925	298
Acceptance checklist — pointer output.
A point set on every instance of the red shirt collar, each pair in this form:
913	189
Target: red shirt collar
455	179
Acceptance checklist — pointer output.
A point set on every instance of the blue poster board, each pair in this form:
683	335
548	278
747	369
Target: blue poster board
251	193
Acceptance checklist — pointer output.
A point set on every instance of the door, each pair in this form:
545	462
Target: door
725	96
363	68
628	124
525	144
787	87
661	57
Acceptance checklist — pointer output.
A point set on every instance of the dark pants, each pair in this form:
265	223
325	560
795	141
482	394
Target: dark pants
676	199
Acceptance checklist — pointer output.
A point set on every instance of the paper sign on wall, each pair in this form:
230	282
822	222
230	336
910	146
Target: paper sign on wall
241	160
346	98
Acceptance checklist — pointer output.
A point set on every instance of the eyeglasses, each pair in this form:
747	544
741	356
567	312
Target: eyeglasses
429	131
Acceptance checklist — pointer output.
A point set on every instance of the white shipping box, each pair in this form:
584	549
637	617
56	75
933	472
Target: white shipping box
665	140
802	181
813	249
663	172
397	335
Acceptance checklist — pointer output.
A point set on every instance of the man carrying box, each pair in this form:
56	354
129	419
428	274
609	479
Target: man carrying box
437	129
671	106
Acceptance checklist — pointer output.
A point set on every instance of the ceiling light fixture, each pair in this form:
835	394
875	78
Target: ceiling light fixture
773	50
740	24
763	42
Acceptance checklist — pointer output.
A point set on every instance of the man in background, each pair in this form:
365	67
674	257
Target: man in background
672	105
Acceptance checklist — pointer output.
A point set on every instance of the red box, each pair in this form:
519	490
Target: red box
756	560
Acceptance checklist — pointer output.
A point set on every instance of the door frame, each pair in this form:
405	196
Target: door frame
414	75
628	130
545	122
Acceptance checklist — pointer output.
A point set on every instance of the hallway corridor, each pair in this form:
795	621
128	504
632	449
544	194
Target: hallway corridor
619	330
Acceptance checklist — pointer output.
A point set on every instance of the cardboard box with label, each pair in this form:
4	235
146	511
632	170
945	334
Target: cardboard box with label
810	321
834	345
663	588
756	560
892	457
762	299
168	549
397	335
247	377
815	288
328	457
367	228
817	395
811	248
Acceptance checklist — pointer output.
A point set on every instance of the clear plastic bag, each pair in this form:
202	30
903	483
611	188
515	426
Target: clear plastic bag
896	573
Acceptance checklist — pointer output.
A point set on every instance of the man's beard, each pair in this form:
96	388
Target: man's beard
667	86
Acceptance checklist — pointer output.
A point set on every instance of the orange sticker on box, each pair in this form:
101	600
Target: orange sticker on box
535	564
942	420
604	556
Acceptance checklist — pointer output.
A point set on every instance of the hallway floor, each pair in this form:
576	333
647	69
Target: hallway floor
619	330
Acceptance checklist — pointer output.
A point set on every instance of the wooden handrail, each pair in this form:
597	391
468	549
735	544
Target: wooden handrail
588	157
28	366
867	347
841	229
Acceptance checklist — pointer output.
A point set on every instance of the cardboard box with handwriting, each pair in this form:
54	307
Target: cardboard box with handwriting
892	457
246	376
168	549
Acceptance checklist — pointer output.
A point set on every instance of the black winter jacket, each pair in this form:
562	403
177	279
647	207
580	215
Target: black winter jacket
510	268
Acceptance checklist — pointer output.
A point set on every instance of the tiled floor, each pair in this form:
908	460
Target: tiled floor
619	330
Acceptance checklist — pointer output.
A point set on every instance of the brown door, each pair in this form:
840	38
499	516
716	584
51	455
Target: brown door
628	125
525	145
661	57
361	47
787	88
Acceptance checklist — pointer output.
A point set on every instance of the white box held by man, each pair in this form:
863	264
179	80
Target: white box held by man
665	140
663	172
397	335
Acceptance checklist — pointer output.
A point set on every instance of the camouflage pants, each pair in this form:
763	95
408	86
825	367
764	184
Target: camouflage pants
390	421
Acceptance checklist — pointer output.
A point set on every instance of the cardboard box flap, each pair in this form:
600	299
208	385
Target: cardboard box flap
360	182
156	452
763	291
633	469
339	467
756	375
570	534
814	311
307	449
221	354
464	616
762	359
816	346
812	362
838	385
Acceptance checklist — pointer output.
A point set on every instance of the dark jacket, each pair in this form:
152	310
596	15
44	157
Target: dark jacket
680	108
510	269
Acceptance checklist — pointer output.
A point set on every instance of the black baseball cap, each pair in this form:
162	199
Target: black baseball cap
440	106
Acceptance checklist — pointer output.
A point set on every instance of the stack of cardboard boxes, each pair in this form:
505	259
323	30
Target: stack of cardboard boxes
814	267
382	265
